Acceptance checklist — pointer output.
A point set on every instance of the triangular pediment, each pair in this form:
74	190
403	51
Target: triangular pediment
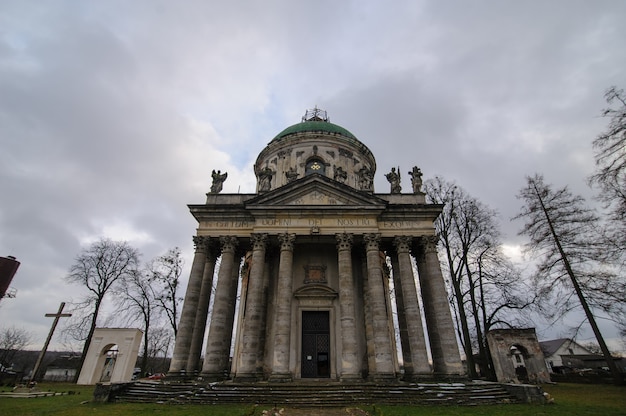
314	191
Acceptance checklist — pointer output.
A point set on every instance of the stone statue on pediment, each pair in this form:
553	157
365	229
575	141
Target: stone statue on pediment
339	174
291	174
265	179
394	179
416	179
366	179
218	181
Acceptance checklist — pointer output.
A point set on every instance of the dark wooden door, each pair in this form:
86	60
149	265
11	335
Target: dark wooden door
315	344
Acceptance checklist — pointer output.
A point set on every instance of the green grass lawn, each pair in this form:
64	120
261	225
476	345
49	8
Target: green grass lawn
570	399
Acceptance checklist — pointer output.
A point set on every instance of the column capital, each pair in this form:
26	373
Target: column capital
229	243
258	241
212	249
402	243
344	241
286	241
372	241
200	243
428	243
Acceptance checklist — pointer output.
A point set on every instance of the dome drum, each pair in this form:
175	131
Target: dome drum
315	147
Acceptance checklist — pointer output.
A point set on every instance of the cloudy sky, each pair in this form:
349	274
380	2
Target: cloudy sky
114	113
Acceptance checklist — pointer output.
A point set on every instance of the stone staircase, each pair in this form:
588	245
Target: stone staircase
320	394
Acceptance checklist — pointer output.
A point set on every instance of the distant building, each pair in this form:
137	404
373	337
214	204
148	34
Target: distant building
62	368
564	355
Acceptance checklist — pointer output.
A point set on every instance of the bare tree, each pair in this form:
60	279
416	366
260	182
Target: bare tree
478	274
12	340
159	343
98	268
610	175
165	272
137	302
563	237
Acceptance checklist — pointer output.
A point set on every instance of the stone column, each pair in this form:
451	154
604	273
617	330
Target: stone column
378	306
402	322
349	356
203	307
217	354
282	322
415	330
190	307
248	369
443	344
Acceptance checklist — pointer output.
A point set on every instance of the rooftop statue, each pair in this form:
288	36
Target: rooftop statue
291	174
218	180
394	179
339	174
265	179
366	178
416	179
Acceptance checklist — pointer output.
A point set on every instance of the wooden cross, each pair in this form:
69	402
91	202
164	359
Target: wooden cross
56	317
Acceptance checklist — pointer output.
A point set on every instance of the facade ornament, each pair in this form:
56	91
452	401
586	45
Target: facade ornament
258	240
416	179
265	179
344	241
402	243
218	180
286	241
339	174
229	243
291	174
394	179
429	243
372	240
366	179
200	243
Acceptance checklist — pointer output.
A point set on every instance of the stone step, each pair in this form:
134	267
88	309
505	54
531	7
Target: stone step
315	395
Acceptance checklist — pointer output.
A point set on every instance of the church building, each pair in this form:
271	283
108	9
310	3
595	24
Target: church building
305	269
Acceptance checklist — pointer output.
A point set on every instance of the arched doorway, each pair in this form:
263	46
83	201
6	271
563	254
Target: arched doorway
110	353
518	354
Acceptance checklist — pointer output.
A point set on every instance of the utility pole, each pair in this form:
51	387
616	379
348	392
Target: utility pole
56	317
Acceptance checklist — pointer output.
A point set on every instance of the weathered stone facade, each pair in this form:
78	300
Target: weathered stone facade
517	356
309	253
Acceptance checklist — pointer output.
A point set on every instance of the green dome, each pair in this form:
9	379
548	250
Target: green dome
315	126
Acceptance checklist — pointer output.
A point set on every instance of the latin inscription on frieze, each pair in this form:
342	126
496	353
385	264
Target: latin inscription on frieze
399	224
229	224
354	222
316	222
278	222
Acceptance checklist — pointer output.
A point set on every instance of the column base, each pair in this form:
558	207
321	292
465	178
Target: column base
178	375
212	377
384	377
247	377
281	378
351	378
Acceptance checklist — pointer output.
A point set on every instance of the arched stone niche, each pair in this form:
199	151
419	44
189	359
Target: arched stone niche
517	356
120	370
